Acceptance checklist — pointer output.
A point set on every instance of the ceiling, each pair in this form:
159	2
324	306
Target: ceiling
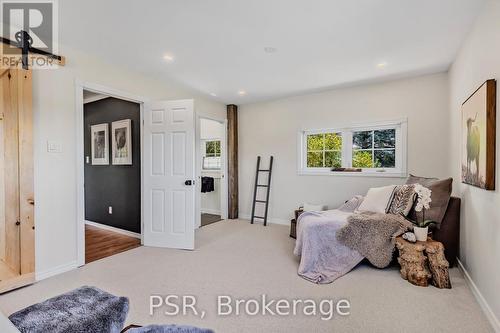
219	46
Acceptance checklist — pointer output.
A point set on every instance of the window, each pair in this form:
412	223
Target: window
373	149
212	148
324	150
211	155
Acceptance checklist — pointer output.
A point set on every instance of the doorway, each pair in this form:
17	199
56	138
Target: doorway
112	148
212	189
170	190
109	152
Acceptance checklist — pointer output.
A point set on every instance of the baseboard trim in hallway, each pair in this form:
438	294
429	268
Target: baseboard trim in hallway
117	230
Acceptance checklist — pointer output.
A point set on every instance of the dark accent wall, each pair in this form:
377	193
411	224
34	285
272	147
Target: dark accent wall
118	186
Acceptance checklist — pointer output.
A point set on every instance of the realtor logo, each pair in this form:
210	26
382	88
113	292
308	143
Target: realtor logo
30	24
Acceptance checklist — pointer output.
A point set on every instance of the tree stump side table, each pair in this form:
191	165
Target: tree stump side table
422	261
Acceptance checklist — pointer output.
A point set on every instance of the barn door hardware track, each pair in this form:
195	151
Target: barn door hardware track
24	41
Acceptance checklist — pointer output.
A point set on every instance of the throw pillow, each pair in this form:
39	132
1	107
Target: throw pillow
441	192
352	204
377	199
313	208
403	199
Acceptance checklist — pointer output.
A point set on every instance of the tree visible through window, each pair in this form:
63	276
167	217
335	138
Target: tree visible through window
324	150
374	149
211	156
212	148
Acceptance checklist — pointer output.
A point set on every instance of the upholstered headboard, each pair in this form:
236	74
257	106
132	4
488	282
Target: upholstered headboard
449	233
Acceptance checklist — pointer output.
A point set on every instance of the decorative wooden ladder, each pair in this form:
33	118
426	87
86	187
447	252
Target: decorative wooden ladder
257	185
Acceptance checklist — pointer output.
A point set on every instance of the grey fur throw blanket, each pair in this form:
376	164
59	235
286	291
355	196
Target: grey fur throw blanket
373	235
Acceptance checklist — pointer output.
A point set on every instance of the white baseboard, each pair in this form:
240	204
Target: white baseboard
210	211
55	270
110	228
271	220
492	318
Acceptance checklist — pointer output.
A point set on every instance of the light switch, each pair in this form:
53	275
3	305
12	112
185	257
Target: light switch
54	147
110	210
87	159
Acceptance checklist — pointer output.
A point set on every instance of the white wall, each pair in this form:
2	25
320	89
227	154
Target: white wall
211	129
211	201
477	61
271	129
54	119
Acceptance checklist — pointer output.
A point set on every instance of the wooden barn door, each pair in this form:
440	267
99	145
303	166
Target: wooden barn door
17	241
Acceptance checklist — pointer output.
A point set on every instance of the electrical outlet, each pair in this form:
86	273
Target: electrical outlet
87	159
110	210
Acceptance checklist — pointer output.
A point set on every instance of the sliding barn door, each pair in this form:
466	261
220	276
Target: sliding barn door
17	261
10	161
169	173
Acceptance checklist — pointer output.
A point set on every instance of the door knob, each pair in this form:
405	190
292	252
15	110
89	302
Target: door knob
188	182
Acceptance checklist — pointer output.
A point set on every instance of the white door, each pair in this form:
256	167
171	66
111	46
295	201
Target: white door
169	173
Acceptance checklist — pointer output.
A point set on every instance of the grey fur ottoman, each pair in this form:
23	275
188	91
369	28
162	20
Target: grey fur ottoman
165	329
83	310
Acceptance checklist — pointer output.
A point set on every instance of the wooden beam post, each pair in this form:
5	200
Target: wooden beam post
232	160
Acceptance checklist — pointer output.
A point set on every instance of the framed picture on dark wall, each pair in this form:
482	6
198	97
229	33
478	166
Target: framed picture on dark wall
479	136
121	140
99	144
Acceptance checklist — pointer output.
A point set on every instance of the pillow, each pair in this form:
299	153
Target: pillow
403	199
352	204
441	192
313	208
377	199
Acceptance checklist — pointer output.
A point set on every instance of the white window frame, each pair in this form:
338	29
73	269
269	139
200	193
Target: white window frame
204	153
400	170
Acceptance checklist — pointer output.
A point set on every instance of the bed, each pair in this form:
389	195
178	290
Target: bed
324	264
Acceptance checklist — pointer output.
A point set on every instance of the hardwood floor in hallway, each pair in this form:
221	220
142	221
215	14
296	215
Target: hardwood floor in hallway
100	243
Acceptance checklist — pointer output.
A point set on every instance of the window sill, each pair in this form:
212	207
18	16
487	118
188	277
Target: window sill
353	174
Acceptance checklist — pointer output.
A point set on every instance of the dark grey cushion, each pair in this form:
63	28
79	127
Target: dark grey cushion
83	310
441	192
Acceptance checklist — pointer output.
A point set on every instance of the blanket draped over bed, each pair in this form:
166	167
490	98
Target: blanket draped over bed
323	258
333	242
373	235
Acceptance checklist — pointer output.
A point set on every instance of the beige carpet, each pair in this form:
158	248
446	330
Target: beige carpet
242	260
